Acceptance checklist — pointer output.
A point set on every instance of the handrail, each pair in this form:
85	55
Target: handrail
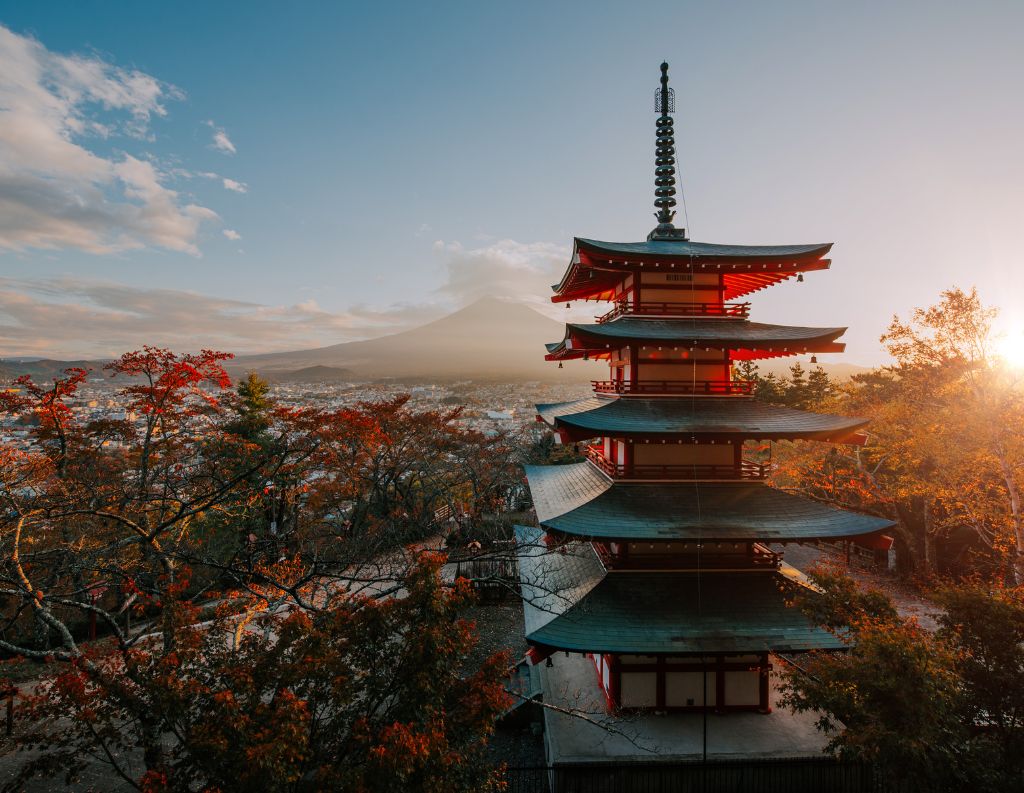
710	387
665	309
745	470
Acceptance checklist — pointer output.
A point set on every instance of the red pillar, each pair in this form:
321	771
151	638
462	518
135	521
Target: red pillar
614	680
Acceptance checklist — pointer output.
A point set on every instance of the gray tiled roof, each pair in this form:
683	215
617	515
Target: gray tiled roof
736	333
703	250
685	613
578	500
552	580
693	416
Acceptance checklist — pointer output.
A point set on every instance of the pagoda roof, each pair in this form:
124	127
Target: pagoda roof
687	416
579	500
596	266
721	333
569	605
704	251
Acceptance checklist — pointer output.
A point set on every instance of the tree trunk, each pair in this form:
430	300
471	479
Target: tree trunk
929	538
152	745
1010	481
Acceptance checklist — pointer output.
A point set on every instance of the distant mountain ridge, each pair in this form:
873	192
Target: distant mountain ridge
487	340
490	339
314	374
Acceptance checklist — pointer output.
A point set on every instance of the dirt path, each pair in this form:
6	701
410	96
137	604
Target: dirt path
909	603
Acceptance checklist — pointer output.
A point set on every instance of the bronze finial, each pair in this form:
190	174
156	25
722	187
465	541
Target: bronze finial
665	162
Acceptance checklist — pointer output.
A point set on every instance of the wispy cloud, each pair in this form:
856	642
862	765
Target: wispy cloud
520	271
57	193
79	317
221	141
238	187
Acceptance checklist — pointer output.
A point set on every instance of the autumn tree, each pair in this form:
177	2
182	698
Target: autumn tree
359	694
946	453
119	522
938	712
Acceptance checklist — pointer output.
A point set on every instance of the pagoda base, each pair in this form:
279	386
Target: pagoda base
570	684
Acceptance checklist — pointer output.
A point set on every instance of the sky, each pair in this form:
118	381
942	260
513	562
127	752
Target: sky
267	176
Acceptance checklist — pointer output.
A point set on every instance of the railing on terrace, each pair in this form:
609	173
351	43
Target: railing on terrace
653	309
686	387
712	556
745	470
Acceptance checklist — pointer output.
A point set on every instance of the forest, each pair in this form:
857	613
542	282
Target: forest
217	592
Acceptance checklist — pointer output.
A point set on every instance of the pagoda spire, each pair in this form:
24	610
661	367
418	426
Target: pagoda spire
665	162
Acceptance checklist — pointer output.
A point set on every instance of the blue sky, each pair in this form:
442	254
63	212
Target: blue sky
399	160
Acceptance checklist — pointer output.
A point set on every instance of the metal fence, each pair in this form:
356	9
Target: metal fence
790	775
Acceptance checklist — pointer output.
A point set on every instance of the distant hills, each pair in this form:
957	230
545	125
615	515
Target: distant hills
490	339
313	374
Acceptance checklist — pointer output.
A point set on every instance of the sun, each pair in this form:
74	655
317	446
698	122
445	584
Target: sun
1009	348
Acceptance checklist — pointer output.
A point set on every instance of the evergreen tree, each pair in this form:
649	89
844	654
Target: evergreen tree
747	370
253	406
796	388
819	387
771	388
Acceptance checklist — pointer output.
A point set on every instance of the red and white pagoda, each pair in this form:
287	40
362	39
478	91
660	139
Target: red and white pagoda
652	558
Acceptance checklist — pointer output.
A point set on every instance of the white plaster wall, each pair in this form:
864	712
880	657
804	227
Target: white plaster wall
742	688
683	686
638	689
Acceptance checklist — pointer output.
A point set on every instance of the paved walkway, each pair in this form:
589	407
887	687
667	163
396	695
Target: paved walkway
908	602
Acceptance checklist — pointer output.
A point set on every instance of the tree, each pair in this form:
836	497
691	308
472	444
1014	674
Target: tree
125	518
946	457
771	389
796	388
938	712
363	694
819	388
254	408
49	406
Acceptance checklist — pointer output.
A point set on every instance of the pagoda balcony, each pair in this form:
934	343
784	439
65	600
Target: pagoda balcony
689	557
682	472
675	387
652	309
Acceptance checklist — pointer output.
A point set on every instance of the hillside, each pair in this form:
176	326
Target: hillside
489	339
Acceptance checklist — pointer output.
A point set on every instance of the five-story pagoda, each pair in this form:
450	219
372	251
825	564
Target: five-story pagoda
652	558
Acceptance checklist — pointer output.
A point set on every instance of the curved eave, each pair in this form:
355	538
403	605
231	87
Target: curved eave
678	250
710	613
710	419
578	501
596	267
751	338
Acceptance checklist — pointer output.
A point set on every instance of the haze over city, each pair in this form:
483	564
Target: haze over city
290	178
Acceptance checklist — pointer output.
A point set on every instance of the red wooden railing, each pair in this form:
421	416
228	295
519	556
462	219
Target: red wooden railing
745	470
654	309
648	387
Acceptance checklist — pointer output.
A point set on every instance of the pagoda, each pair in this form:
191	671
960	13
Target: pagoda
658	558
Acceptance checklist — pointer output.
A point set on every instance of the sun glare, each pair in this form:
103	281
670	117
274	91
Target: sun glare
1010	349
